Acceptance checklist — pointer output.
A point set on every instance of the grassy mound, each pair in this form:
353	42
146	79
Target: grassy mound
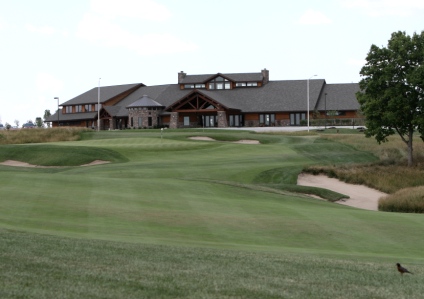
41	135
408	200
56	155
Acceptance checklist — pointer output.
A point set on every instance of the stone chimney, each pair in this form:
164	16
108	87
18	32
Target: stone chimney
265	75
181	76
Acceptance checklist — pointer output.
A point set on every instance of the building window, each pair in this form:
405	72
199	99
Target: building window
68	109
140	122
267	119
191	86
97	107
246	84
236	120
186	120
209	120
88	108
219	83
297	119
78	108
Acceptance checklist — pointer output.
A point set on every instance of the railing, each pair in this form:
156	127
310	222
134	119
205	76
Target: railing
337	122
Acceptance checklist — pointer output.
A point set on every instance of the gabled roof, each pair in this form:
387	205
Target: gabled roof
287	95
72	116
339	97
163	94
145	101
245	77
212	98
112	110
106	93
276	96
241	77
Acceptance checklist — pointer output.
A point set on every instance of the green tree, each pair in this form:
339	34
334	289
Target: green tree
39	122
46	115
392	89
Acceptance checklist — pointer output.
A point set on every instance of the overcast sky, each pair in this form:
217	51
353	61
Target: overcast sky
52	48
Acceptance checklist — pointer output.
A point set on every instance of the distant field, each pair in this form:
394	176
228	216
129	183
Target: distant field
173	217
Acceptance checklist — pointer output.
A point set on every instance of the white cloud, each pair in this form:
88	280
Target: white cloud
312	17
102	26
386	7
3	24
357	62
143	9
48	83
45	30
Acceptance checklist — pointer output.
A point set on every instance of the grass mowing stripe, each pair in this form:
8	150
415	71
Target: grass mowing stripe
37	266
282	245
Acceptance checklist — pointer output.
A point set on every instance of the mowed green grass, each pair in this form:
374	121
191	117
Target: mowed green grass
174	217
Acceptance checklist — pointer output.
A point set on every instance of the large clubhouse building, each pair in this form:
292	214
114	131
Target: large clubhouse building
211	100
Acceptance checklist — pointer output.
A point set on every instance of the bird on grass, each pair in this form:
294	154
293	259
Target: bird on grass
402	269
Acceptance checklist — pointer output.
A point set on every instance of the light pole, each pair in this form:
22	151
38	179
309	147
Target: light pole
325	108
98	106
308	98
57	98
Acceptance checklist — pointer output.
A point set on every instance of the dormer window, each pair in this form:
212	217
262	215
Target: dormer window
219	83
248	84
191	86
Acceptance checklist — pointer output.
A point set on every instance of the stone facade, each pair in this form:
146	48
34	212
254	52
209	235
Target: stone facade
173	123
222	119
143	117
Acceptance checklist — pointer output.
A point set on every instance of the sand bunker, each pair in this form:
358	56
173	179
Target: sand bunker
243	141
361	197
24	164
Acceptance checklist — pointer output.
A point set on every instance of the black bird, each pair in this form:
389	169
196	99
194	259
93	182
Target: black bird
402	269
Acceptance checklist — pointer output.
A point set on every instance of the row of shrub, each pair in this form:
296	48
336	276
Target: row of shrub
406	194
40	135
408	200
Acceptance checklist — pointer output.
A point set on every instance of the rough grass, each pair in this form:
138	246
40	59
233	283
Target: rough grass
194	219
54	155
389	174
38	135
42	266
407	200
383	178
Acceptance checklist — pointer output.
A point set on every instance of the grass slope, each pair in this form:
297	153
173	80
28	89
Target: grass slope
41	266
221	220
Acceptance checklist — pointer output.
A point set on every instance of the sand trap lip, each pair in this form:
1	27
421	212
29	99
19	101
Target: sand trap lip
24	164
361	197
243	141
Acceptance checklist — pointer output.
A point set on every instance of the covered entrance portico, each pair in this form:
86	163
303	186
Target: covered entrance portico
198	110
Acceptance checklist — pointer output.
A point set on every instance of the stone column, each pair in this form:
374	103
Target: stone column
222	119
173	122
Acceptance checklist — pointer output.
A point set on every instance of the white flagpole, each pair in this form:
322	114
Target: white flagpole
98	106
